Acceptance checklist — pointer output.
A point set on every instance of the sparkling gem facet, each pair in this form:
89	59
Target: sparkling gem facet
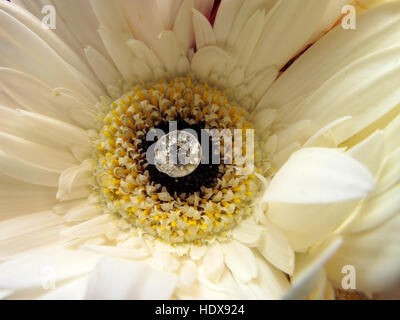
177	153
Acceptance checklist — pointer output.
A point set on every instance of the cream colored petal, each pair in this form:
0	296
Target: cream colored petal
275	247
374	254
209	60
213	263
240	260
33	95
73	290
18	198
318	175
21	170
43	130
92	228
103	69
13	247
22	225
377	29
63	47
309	268
75	182
27	52
35	154
116	252
204	33
115	279
375	94
44	267
294	25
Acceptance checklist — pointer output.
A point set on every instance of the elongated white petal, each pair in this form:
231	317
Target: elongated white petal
376	210
275	247
43	130
309	19
270	283
92	228
27	52
21	225
125	253
35	154
82	213
75	182
18	198
73	290
104	70
318	175
309	268
67	52
207	60
183	26
214	263
116	47
45	267
27	242
240	260
24	171
129	280
375	256
204	33
248	232
335	51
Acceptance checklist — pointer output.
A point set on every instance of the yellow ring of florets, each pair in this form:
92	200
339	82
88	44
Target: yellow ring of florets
123	183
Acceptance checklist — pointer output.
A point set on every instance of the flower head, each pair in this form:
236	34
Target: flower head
113	120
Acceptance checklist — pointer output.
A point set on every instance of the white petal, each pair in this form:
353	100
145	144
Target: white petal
309	268
275	247
117	49
33	95
317	175
374	254
104	70
335	51
92	228
75	182
36	154
204	33
45	237
213	263
370	152
50	264
183	27
270	283
207	60
307	224
82	213
248	232
21	225
241	261
27	52
125	253
377	210
293	24
129	280
17	198
73	290
75	58
377	92
26	172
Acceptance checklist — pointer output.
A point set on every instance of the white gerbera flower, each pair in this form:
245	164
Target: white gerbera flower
83	214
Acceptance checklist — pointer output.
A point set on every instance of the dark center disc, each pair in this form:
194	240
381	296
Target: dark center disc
205	175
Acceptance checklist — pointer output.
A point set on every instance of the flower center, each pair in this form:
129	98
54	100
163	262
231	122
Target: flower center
158	166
